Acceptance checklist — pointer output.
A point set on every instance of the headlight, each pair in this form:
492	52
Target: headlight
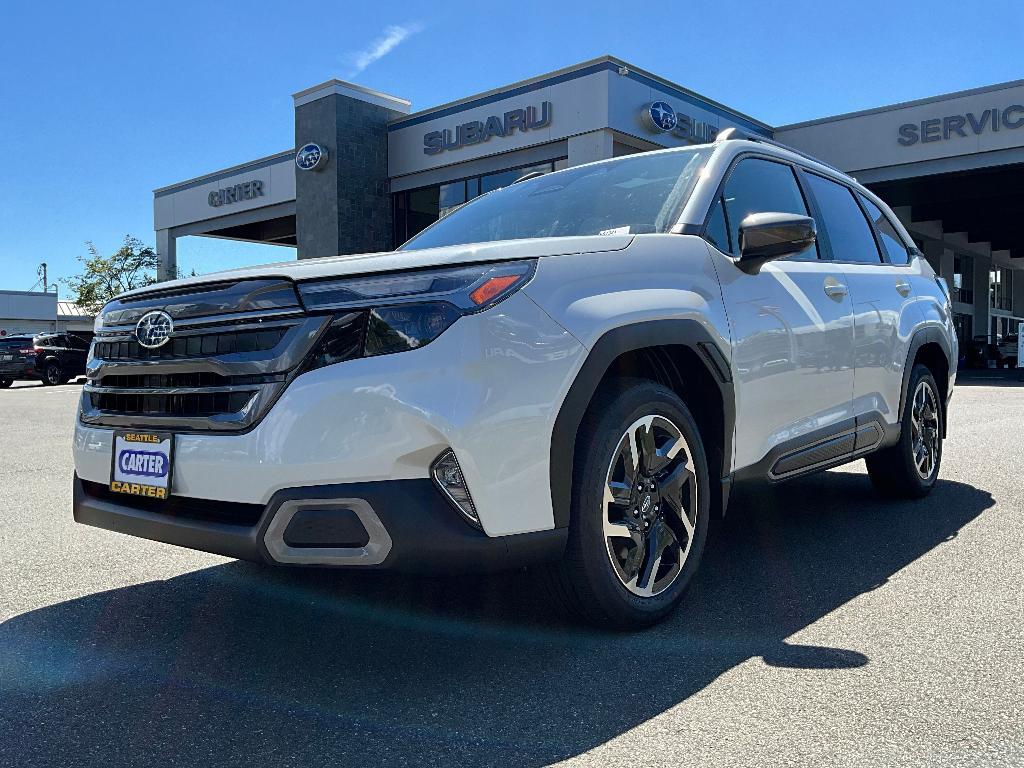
395	313
469	288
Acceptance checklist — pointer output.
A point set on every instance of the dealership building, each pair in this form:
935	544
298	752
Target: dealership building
366	172
28	313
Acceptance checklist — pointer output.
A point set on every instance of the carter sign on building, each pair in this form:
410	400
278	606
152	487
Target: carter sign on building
234	194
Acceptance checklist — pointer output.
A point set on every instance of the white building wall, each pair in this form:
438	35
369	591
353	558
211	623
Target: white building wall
941	128
24	312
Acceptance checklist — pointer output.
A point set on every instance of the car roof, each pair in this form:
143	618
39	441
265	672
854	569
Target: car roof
728	149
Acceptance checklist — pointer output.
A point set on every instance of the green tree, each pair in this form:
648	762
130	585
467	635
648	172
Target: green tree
133	265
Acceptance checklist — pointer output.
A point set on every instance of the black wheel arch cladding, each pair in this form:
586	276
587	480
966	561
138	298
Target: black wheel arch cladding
610	347
921	338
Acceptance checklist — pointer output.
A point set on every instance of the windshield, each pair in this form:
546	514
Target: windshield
639	194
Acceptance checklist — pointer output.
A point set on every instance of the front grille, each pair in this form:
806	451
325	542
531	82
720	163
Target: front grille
197	345
225	363
206	510
191	379
188	404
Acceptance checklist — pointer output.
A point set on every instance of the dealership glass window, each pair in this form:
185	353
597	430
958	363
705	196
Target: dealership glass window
417	209
758	186
848	230
964	326
893	244
450	196
423	207
498	180
1001	288
963	278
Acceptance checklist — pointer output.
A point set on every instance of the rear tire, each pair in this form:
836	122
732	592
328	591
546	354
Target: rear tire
909	469
54	375
640	508
5	383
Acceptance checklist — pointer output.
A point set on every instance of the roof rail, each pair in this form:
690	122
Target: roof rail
736	134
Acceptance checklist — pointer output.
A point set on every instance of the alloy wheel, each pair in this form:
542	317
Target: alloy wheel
924	426
650	506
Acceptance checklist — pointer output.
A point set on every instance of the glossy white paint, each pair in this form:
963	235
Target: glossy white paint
490	387
484	387
884	321
366	263
793	351
657	277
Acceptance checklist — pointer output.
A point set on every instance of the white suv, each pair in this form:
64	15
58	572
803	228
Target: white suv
570	372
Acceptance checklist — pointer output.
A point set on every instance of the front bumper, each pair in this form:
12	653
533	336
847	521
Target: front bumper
417	531
488	388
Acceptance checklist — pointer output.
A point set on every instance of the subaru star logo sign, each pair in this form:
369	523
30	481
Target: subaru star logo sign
311	157
154	329
660	116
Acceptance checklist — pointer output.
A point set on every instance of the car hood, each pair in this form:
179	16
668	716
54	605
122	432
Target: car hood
394	261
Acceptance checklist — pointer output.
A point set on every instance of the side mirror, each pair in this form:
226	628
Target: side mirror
768	236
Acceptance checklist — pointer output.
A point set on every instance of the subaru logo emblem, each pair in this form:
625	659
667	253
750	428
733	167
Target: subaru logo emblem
154	329
661	116
311	157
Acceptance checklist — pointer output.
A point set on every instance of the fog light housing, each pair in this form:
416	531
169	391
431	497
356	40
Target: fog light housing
447	475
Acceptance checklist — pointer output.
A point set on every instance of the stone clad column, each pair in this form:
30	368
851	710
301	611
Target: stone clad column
344	205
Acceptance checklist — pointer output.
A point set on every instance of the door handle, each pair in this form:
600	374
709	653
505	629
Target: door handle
902	287
834	289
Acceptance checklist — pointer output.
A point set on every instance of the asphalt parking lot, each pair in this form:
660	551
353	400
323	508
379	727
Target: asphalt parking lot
826	628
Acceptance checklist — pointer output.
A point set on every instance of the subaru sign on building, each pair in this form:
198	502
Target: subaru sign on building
367	172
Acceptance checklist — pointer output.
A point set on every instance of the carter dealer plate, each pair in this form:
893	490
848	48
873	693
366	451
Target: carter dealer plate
141	464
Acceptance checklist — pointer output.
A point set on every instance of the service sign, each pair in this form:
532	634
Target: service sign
142	464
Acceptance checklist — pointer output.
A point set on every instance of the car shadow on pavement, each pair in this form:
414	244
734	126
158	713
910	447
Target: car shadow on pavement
240	664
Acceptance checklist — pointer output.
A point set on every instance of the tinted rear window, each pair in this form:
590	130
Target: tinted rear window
891	240
15	342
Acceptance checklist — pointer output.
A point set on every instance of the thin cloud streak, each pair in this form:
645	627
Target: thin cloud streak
390	39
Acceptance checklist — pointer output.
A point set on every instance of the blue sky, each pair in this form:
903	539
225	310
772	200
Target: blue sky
100	102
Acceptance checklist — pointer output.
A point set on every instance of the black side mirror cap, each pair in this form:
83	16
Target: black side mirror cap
765	237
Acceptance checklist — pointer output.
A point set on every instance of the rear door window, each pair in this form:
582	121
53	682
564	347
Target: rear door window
762	186
848	230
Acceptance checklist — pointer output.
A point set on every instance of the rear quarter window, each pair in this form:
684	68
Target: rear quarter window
894	246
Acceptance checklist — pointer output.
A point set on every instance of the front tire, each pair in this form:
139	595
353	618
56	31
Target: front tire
910	468
640	508
5	383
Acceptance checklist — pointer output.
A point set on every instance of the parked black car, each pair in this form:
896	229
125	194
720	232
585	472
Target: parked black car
60	357
53	358
17	360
